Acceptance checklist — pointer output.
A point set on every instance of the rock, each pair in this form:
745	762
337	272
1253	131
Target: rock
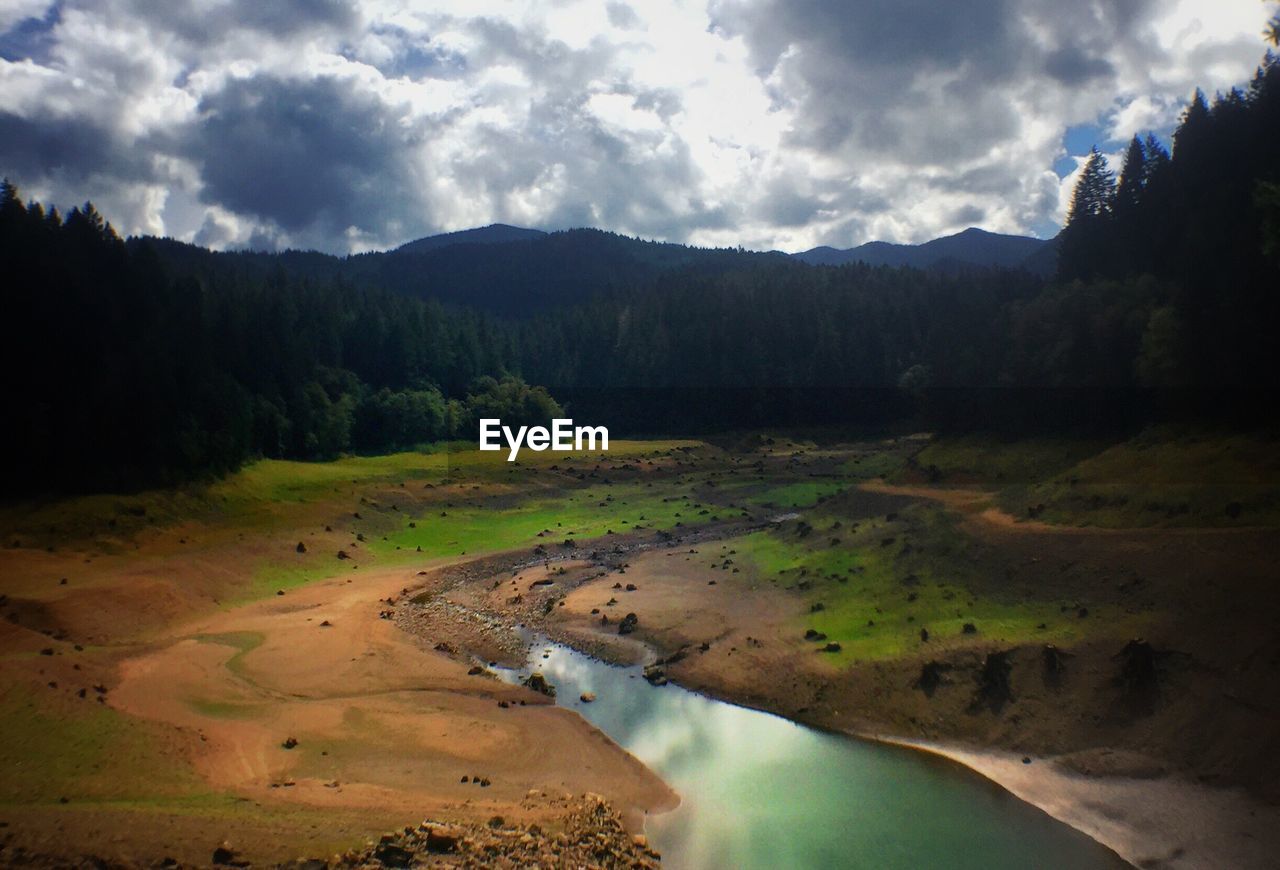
342	554
655	674
631	587
628	624
994	689
924	635
832	647
301	548
290	742
1138	668
1054	664
930	677
391	855
587	697
814	635
538	683
969	628
443	839
226	856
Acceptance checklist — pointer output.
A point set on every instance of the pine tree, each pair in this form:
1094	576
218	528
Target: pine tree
1133	178
1086	244
1094	195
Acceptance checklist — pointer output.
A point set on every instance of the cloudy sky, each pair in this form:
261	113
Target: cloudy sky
349	126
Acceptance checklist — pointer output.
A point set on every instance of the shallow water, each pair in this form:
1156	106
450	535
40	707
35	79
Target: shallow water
759	791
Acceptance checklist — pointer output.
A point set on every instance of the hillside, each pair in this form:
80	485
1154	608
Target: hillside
972	247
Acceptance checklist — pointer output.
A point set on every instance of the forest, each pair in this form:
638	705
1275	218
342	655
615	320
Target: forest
146	361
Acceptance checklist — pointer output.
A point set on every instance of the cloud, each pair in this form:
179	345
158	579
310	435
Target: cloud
350	125
318	155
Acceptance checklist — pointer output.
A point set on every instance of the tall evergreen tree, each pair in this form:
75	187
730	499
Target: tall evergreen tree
1084	247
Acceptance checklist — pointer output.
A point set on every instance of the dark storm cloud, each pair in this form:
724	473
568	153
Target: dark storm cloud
305	153
1072	66
200	23
32	37
71	148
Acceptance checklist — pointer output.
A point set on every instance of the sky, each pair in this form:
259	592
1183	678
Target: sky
350	126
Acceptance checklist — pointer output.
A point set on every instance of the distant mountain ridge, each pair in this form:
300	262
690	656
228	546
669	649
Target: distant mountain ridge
493	234
971	247
514	271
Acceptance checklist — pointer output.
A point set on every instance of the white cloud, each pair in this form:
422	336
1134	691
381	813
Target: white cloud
758	122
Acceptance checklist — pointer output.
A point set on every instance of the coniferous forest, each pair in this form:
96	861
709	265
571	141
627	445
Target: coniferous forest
146	361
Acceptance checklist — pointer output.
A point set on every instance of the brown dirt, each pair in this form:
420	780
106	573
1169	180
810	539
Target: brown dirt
385	731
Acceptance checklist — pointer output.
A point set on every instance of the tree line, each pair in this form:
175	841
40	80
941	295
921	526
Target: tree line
127	373
146	361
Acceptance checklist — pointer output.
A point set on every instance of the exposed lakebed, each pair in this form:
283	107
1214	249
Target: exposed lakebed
760	791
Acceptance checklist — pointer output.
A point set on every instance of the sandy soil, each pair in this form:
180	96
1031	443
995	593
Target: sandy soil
379	722
385	729
1153	821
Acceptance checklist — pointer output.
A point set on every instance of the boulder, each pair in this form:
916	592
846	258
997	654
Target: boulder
538	683
587	697
656	674
391	855
628	624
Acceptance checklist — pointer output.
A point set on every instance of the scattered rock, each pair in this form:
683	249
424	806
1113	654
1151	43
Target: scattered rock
655	674
931	676
391	855
538	683
994	689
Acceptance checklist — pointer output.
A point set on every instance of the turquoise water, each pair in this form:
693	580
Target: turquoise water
759	791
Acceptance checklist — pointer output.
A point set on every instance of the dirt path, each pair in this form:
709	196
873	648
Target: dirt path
978	508
380	723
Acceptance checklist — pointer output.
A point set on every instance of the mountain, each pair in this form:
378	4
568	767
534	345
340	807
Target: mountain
972	247
491	235
535	271
513	271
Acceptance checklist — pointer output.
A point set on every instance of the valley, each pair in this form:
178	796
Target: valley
884	588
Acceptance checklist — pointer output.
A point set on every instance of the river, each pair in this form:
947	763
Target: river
760	791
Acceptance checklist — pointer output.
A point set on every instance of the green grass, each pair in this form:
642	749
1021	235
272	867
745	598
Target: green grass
224	709
797	494
582	514
264	495
1164	477
864	586
872	464
244	642
85	752
1000	462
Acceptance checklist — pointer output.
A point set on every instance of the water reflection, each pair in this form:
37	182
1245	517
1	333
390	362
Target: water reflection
758	791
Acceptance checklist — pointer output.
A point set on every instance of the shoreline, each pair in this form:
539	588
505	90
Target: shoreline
1119	813
1130	815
